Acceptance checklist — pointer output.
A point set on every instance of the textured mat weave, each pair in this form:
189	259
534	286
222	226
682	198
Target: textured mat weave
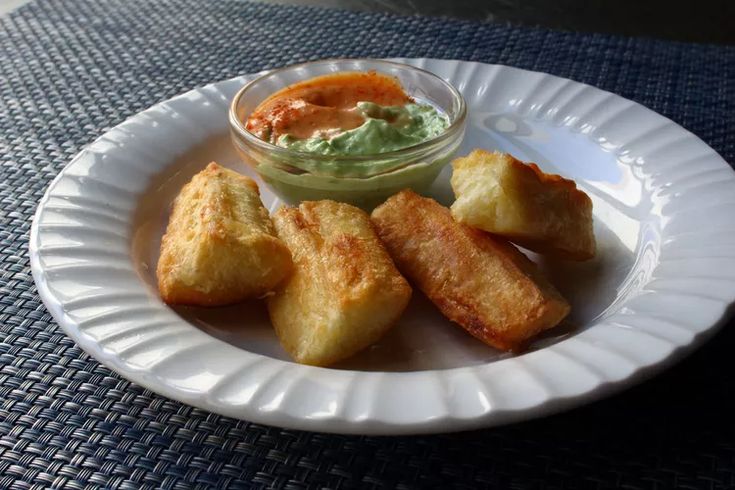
71	69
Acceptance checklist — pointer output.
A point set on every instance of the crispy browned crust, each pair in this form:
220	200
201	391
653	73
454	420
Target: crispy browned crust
220	246
542	212
481	282
345	292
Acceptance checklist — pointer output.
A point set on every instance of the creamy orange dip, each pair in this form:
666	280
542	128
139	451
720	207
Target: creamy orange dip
345	113
323	105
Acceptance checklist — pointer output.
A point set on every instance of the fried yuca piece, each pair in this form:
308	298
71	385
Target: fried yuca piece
344	293
220	245
480	282
542	212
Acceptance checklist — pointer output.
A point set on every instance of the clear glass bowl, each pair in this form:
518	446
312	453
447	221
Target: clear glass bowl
365	180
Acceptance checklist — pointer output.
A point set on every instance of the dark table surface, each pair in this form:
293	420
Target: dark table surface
71	69
709	21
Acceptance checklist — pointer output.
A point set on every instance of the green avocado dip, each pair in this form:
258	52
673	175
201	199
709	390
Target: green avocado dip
386	128
336	137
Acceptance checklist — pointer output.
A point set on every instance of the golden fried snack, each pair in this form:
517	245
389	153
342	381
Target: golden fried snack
345	292
481	282
220	246
542	212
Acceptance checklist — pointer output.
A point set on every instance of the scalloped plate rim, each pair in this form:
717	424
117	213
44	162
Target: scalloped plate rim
368	425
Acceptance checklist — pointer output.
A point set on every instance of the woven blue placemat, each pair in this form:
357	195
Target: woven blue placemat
71	69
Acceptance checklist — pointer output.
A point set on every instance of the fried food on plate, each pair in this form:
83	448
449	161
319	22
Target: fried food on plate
481	282
542	212
344	293
220	245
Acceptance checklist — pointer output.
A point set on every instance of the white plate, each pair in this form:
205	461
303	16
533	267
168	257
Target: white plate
663	279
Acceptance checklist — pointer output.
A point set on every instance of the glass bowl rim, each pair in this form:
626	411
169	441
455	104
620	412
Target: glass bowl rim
454	127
